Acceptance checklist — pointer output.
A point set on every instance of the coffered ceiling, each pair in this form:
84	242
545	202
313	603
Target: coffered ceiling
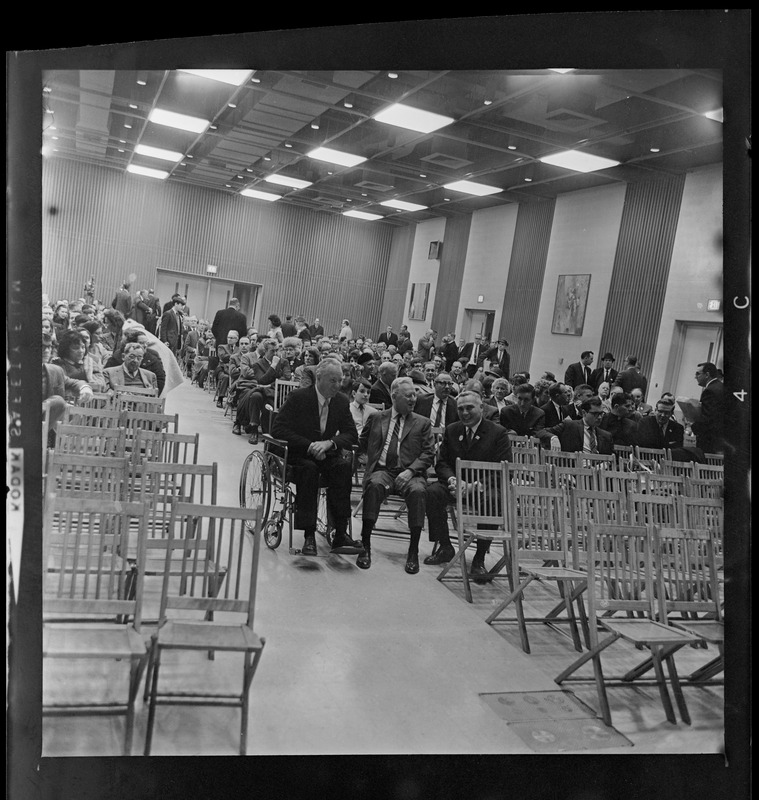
503	122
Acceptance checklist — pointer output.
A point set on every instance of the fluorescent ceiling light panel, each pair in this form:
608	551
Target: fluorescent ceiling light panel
715	115
336	157
561	70
260	195
157	152
402	205
470	187
361	215
579	161
181	121
413	119
234	77
283	180
150	173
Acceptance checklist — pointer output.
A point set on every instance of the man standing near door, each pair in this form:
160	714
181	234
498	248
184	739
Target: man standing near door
580	372
474	354
172	326
229	319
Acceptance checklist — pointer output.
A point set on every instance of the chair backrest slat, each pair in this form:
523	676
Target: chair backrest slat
481	494
538	525
592	508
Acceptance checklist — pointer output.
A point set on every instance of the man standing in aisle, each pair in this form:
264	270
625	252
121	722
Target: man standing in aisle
474	355
523	418
388	337
400	449
499	357
123	300
316	328
605	373
474	439
317	424
580	372
709	427
630	377
229	319
172	326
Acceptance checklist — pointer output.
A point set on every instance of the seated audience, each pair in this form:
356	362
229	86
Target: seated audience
523	418
623	430
129	372
581	435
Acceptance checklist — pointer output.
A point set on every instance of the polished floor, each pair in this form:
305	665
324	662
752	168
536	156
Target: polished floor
373	662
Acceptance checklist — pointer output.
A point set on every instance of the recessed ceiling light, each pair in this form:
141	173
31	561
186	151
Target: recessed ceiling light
182	121
470	187
562	70
47	90
392	74
260	195
142	83
211	127
314	126
336	157
255	80
579	161
529	180
234	77
361	215
422	174
121	150
511	147
157	152
127	125
716	115
488	102
150	173
231	105
55	138
402	205
248	169
132	105
413	119
122	141
284	180
267	158
287	144
348	105
654	149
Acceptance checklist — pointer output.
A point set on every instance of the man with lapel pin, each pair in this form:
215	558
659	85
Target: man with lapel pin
317	424
472	438
400	448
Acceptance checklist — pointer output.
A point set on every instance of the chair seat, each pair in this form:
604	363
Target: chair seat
92	641
480	533
555	573
647	632
193	635
707	629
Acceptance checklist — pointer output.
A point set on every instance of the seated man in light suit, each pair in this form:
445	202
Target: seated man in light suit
400	448
581	435
129	373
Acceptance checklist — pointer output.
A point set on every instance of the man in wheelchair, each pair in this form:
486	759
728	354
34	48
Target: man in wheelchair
317	425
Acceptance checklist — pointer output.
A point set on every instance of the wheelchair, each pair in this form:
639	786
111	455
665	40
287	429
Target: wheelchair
266	481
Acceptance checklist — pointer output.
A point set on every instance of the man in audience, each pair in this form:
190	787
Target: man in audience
224	353
580	372
641	407
581	435
123	300
154	304
709	427
604	374
449	350
316	329
623	430
288	327
440	407
426	346
630	378
387	372
472	438
660	431
56	384
400	448
523	418
488	412
554	409
317	425
573	408
500	390
498	355
263	372
229	319
405	345
388	337
359	406
172	326
474	354
129	373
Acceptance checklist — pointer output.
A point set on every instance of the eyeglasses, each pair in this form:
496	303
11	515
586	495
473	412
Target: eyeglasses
596	413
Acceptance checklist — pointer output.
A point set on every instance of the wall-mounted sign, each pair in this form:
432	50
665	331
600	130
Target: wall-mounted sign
714	305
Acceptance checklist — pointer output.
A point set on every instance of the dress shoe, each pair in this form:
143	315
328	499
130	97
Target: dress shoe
347	546
219	403
364	561
309	546
253	438
237	430
412	563
478	573
443	556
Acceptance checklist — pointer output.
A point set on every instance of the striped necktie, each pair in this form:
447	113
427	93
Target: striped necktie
323	415
439	415
392	451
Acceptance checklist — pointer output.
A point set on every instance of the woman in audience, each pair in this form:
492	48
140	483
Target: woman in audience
275	332
93	363
49	330
113	322
61	317
72	349
310	359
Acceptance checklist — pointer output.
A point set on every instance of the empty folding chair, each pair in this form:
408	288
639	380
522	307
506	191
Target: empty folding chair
90	440
592	508
703	487
665	485
651	457
710	472
558	458
715	459
94	417
682	469
530	474
648	509
207	607
87	477
596	461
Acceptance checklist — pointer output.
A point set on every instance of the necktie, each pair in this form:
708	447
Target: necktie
439	415
593	441
468	438
323	416
392	450
587	374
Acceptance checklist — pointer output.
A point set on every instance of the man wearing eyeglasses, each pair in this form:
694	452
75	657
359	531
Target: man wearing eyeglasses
581	435
440	407
660	430
709	427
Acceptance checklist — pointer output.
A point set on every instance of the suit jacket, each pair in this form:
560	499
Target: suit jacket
623	431
709	427
466	352
650	435
226	320
171	330
491	443
575	375
416	449
289	329
502	363
489	412
141	311
630	379
450	413
297	422
511	418
115	377
387	338
316	330
59	383
571	436
379	393
597	377
450	352
123	302
552	417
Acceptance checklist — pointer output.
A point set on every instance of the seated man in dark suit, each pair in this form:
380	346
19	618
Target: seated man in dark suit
554	409
317	425
572	410
581	435
440	407
623	430
387	372
660	430
523	419
475	439
400	448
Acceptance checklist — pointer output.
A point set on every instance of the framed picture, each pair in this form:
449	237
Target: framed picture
417	307
571	299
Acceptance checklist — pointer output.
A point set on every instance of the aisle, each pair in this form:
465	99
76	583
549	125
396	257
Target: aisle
377	661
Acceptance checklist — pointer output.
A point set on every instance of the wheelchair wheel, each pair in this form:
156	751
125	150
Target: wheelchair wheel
255	489
273	530
323	526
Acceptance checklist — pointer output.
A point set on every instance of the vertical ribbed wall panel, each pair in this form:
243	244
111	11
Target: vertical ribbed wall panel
641	269
103	223
451	274
524	286
396	286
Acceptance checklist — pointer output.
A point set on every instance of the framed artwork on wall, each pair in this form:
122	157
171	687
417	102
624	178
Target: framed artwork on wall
571	299
417	307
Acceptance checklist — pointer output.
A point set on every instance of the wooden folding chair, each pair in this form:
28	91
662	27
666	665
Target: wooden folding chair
689	590
90	440
209	605
715	459
703	487
135	391
558	458
142	404
94	417
596	461
704	513
525	455
539	551
651	457
592	508
649	509
682	469
621	579
482	497
175	448
99	400
523	441
530	474
618	481
708	472
87	477
623	452
281	390
660	484
92	600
